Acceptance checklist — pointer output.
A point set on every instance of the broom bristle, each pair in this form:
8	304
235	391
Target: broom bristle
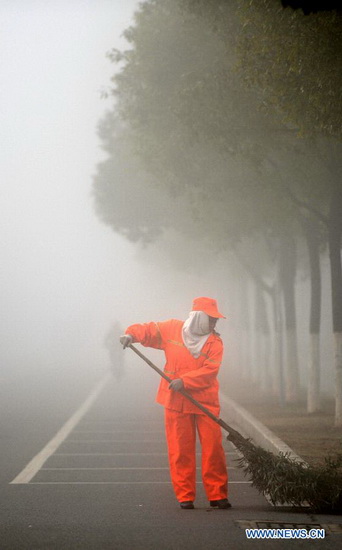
288	481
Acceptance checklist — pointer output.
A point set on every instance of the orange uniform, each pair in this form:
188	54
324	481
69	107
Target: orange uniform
182	417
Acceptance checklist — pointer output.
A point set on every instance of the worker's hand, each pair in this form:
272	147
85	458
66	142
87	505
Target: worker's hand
176	385
126	340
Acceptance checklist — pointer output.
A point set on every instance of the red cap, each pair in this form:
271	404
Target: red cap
208	305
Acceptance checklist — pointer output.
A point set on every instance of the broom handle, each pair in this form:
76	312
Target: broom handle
183	392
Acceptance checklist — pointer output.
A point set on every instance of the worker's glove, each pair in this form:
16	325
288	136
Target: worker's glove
176	385
126	340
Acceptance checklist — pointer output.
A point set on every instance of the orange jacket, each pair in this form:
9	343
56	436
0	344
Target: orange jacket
199	375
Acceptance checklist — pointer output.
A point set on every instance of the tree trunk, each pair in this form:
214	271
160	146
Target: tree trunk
287	267
335	232
257	340
311	231
244	329
278	379
268	356
262	339
314	379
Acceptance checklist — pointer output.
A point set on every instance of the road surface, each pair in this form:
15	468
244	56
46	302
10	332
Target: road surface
86	468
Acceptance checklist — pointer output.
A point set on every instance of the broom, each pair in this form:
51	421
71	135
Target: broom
282	479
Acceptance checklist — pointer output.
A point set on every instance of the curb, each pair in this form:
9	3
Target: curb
245	423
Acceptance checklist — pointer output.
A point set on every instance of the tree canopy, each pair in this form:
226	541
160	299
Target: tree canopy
295	61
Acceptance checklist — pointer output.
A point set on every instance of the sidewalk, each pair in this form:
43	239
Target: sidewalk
311	436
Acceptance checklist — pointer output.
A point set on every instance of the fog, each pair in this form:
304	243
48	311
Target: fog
60	271
63	273
65	277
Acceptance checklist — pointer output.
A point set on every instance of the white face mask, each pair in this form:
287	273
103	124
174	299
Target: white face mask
199	322
195	332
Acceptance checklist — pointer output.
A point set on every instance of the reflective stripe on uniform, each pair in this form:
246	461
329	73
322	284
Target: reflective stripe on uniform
210	360
176	343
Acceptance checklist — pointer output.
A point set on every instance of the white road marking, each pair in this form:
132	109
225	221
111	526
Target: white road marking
116	468
232	453
115	441
121	422
37	462
110	454
119	432
120	482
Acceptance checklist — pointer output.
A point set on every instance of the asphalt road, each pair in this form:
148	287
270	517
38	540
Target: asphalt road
103	483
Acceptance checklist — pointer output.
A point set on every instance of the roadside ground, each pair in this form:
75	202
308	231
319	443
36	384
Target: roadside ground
311	436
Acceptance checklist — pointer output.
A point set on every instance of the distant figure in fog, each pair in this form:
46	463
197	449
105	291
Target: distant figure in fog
114	350
193	353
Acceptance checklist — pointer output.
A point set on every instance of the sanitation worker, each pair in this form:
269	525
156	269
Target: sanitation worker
193	352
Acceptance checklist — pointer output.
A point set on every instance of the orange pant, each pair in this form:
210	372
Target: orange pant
181	440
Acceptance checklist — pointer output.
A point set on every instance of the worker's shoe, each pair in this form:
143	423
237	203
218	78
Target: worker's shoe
222	504
187	505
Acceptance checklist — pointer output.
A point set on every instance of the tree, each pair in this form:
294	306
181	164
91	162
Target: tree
312	6
296	63
212	122
199	130
293	65
126	197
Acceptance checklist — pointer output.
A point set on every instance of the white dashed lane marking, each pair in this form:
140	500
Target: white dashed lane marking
37	462
102	452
